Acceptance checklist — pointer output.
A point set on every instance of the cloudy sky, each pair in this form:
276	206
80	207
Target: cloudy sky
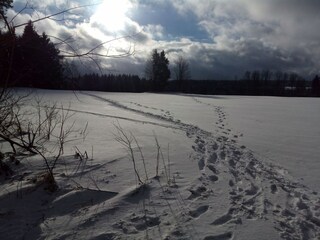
219	38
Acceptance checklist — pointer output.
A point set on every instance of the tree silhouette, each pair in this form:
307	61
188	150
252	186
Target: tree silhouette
7	45
37	61
7	42
181	70
157	70
316	86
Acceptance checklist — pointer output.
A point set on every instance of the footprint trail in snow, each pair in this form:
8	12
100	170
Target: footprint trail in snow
253	189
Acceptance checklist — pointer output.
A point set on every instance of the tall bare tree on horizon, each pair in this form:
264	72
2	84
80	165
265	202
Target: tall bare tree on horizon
181	71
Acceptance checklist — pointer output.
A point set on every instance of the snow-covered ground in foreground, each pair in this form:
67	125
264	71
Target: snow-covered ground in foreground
238	168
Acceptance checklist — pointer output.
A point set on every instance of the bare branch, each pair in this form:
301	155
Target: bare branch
18	13
58	13
91	51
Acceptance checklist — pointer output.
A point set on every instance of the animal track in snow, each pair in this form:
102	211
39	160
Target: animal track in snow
223	219
223	236
198	191
212	168
201	163
199	211
213	157
213	178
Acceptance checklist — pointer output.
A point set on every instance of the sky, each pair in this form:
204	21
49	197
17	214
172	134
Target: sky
221	39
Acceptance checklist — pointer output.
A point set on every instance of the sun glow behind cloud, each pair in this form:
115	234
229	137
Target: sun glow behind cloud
112	14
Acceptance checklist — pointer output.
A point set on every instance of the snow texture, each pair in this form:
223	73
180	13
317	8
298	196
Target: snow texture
232	168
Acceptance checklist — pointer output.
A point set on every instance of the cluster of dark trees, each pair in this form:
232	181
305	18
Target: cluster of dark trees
157	75
157	70
29	60
108	83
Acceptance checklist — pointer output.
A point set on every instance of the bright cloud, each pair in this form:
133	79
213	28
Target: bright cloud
112	14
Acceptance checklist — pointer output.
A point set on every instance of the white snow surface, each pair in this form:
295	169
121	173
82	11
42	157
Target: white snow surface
233	167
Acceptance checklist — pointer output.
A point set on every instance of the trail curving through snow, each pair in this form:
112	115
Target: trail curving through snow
256	190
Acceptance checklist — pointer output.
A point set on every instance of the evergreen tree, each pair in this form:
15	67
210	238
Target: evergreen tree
7	47
7	41
157	70
38	60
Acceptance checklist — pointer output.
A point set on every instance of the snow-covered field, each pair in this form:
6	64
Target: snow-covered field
232	168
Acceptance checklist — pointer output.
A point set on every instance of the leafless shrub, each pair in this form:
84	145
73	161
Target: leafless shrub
160	154
126	140
142	156
41	129
130	142
82	156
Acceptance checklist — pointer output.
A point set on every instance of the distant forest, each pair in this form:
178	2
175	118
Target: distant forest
287	85
32	60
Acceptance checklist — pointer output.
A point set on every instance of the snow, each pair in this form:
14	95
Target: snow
232	168
283	130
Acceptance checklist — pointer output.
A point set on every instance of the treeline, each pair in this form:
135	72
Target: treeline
253	83
240	87
108	83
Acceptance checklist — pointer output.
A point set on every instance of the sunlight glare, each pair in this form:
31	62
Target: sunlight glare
112	14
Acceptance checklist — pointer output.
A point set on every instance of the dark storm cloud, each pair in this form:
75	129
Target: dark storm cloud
249	35
208	62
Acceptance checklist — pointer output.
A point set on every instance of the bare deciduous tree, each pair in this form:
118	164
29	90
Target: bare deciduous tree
181	70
